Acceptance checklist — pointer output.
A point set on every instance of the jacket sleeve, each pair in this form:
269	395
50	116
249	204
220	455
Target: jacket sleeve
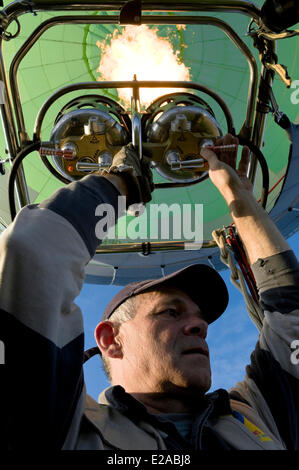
43	254
271	384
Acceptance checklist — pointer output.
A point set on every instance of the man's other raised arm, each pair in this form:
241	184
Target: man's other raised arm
43	255
260	236
271	384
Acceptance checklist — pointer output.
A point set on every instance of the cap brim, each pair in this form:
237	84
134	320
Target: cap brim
202	283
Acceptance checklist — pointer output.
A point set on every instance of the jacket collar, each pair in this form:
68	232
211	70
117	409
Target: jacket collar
126	404
117	431
118	411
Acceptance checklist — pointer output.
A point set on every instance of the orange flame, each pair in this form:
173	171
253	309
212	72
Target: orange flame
139	51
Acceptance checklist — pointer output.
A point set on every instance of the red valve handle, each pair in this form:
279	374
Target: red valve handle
47	151
228	148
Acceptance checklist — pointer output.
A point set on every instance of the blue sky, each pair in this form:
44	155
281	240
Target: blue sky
231	338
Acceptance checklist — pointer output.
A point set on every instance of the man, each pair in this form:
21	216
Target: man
152	335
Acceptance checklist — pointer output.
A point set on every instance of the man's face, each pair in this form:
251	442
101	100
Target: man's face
164	345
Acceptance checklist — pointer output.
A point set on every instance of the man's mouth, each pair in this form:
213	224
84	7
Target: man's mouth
197	350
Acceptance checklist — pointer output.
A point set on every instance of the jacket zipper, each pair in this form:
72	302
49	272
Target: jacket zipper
199	424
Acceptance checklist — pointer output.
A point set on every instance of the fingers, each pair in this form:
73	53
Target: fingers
244	162
228	156
225	140
211	158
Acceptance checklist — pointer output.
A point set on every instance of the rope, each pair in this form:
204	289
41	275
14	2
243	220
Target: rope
237	279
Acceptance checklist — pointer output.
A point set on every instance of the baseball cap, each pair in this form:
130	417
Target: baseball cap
201	282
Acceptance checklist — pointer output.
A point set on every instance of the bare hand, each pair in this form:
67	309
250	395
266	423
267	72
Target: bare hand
222	166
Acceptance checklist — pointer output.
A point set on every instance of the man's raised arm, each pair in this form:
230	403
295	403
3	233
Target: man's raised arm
259	234
43	255
271	383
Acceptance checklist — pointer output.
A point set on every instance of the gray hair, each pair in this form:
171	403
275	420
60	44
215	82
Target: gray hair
125	312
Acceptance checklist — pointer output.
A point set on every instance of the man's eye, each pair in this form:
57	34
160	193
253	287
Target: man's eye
171	311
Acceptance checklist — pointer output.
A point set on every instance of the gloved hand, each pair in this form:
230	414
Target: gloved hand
136	173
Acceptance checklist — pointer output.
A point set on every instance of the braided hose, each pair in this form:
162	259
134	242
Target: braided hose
237	279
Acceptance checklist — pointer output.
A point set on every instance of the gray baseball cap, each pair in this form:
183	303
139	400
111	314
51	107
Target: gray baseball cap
201	282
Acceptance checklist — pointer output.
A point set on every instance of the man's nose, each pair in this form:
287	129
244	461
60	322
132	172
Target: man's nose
196	327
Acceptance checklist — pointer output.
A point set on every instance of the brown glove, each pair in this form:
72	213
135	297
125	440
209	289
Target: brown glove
136	172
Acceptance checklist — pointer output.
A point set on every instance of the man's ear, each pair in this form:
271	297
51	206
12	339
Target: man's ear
106	335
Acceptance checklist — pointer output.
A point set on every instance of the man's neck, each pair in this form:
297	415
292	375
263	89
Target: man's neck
157	403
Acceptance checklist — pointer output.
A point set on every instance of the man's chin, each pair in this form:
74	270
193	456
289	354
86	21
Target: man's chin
197	387
190	386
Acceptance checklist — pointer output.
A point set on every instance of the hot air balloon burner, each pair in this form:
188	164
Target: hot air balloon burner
88	132
176	128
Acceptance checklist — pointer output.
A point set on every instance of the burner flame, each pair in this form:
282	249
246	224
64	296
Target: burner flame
139	51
